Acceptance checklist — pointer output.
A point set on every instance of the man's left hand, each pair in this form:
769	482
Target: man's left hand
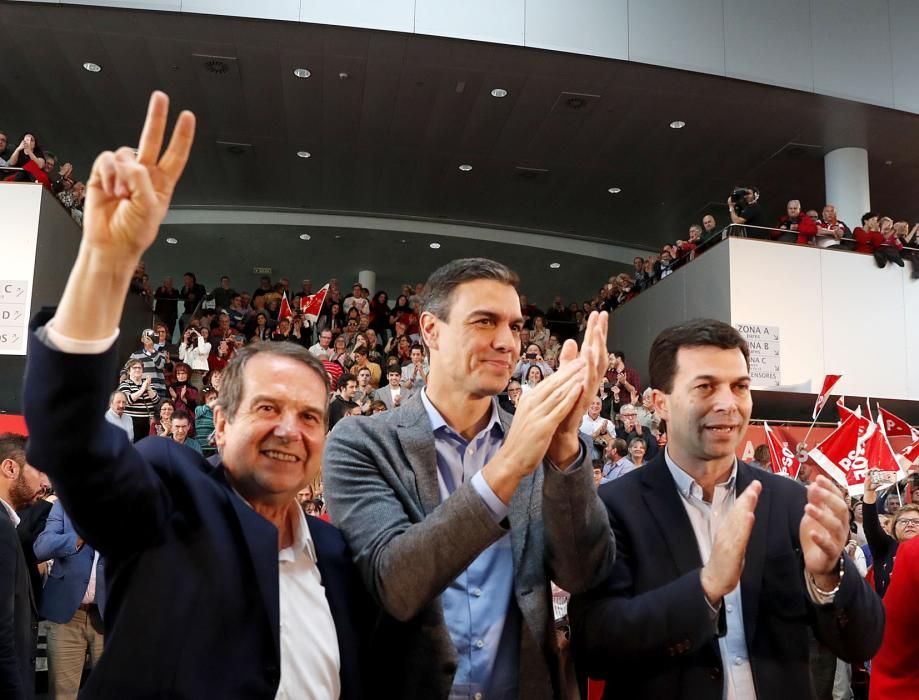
564	447
824	532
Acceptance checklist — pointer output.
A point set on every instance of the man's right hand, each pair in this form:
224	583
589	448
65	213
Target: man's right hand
722	571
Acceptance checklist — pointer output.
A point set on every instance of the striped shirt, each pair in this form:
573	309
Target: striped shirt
154	362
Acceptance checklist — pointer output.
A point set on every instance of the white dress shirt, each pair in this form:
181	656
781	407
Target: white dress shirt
12	513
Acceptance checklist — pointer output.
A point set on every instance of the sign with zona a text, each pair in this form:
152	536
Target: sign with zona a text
765	353
20	204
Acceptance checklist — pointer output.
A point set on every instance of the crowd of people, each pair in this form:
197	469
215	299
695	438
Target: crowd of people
27	161
460	484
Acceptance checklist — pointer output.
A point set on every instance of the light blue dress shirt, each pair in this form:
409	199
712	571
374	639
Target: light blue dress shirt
483	621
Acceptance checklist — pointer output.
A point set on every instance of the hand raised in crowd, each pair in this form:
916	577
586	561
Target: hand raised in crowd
722	571
564	446
128	195
871	493
824	531
536	420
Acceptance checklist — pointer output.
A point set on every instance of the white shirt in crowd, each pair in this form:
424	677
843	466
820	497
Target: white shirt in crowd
196	355
123	421
589	427
322	353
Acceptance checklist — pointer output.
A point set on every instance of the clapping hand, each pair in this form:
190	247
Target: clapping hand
824	531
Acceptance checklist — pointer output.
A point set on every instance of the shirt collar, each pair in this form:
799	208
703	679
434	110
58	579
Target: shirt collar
11	512
303	540
686	485
438	422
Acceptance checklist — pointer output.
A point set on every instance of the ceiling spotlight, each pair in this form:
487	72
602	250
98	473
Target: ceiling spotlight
499	92
435	246
465	167
172	241
888	162
555	266
303	154
302	72
614	190
677	124
92	67
305	236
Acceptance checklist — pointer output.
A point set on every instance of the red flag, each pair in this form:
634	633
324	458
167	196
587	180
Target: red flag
311	305
896	427
846	412
910	453
783	460
878	452
829	381
841	452
286	311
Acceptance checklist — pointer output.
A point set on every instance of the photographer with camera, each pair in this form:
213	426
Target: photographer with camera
743	207
194	351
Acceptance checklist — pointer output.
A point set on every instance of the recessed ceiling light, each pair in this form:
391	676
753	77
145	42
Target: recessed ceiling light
677	124
302	72
888	162
465	167
305	236
614	190
92	67
404	241
172	241
555	266
303	154
435	246
499	92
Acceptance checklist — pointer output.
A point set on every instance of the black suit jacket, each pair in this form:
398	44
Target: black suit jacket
649	629
191	570
18	626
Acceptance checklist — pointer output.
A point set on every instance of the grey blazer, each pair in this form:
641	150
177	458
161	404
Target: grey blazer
384	394
380	474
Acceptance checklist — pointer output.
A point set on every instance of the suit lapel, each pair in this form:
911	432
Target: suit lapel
261	538
417	440
751	579
664	501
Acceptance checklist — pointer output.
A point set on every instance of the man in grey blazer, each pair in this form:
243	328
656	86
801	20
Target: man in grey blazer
459	518
393	394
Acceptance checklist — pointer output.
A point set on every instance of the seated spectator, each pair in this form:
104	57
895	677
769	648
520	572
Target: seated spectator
651	270
637	450
509	402
794	226
204	423
281	332
333	319
181	426
357	301
632	429
686	247
646	415
888	245
868	235
532	355
360	358
323	349
364	394
219	359
617	461
377	407
551	351
162	426
415	374
116	415
829	225
709	225
597	428
533	377
343	404
141	399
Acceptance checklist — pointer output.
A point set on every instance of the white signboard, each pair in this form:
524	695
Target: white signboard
20	204
765	353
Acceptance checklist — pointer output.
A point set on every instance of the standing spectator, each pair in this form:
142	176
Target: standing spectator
709	224
380	313
29	156
343	404
415	374
558	315
140	396
20	485
167	304
639	276
645	411
191	294
153	361
664	266
621	374
761	458
223	294
888	245
392	395
194	351
596	428
868	235
71	602
183	393
357	301
883	546
116	415
539	333
204	422
364	394
746	211
264	289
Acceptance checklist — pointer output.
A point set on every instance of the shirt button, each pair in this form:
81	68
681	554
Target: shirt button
479	644
477	592
477	696
729	607
738	661
470	450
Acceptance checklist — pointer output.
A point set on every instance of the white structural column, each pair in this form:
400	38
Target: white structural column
368	280
846	173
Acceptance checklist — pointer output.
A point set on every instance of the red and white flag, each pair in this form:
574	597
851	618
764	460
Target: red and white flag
878	455
895	426
846	412
841	451
286	311
829	381
311	305
909	454
783	460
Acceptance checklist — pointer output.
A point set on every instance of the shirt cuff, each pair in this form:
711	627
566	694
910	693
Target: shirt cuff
497	507
816	596
577	460
72	346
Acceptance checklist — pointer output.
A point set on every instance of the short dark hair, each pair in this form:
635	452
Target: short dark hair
181	415
761	454
192	275
619	354
13	446
394	369
620	447
360	351
377	404
437	297
417	346
232	380
690	334
867	215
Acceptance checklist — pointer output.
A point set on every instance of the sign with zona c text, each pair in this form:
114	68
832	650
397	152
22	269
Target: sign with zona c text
765	353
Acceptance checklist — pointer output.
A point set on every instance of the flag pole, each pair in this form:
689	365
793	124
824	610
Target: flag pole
811	428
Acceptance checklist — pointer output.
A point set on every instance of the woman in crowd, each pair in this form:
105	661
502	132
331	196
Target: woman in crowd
401	350
380	313
333	319
299	334
637	451
28	155
534	376
221	356
262	330
401	312
184	395
141	398
163	425
904	526
339	350
539	334
194	351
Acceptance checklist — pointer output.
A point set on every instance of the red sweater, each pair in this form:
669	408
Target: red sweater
895	669
866	241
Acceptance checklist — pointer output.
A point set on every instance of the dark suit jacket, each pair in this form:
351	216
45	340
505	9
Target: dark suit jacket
18	626
192	571
31	522
649	628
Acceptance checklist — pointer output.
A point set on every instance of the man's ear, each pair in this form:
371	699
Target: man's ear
9	468
429	329
661	403
220	425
